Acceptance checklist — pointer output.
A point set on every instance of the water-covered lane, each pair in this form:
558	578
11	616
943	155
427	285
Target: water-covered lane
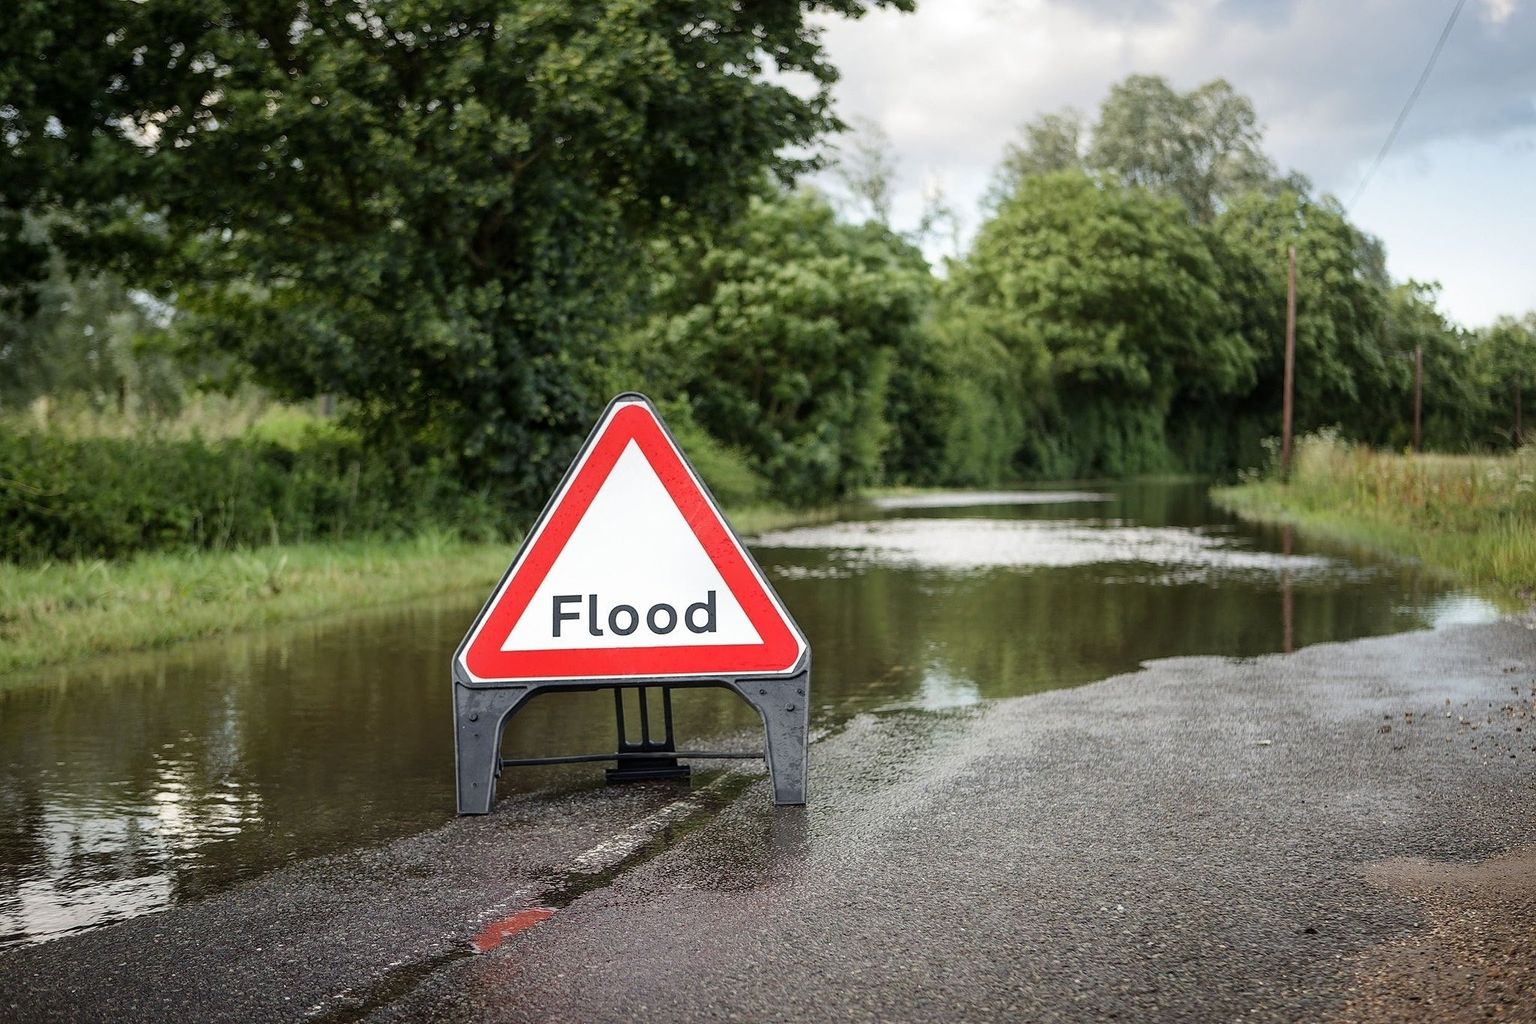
130	784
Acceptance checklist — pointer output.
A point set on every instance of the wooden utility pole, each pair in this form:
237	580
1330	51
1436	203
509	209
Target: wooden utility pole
1519	434
1287	401
1287	597
1418	398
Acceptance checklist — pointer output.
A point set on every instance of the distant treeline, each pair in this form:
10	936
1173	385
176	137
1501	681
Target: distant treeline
101	497
1120	311
471	231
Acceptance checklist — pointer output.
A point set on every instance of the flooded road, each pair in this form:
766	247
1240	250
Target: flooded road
128	785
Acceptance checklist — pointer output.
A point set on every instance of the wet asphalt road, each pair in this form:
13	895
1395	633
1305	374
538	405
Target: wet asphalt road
1195	841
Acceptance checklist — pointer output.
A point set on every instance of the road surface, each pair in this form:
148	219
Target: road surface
1343	833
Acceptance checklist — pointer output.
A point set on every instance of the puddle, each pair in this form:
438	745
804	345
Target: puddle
1470	960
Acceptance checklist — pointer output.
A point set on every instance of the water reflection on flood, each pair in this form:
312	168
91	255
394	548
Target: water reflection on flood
980	499
972	545
129	784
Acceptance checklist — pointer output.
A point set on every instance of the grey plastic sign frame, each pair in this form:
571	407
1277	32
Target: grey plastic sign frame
482	707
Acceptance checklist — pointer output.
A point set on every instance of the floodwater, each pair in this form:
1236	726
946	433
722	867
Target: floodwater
130	784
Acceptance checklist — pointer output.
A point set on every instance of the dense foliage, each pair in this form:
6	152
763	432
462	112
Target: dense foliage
1119	295
784	331
85	337
471	224
110	497
1505	364
1202	148
431	208
1143	256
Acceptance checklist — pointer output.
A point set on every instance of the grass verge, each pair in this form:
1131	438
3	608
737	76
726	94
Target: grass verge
1472	518
58	612
62	611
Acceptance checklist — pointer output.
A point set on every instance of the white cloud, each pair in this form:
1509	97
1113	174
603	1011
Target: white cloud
1498	11
951	83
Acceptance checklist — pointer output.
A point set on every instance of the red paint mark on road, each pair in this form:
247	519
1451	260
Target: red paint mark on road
497	932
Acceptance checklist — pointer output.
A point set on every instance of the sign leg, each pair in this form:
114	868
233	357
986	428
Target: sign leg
479	716
784	705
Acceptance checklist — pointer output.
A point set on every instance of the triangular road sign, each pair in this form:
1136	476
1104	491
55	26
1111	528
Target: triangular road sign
631	572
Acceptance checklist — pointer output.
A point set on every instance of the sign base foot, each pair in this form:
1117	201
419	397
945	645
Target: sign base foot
646	771
782	702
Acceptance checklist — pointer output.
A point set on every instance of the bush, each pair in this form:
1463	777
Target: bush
726	471
108	497
783	331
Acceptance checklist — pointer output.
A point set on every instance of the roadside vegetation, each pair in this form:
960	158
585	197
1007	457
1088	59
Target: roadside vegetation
60	611
1472	518
109	497
120	538
274	285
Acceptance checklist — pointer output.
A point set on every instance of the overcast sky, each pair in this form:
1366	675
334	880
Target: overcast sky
1453	202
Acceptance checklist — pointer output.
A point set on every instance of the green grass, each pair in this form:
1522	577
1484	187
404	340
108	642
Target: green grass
1470	518
247	413
63	611
755	519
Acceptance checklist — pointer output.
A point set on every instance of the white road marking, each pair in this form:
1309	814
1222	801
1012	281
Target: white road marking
613	851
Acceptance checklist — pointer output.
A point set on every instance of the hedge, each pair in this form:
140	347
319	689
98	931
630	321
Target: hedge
65	498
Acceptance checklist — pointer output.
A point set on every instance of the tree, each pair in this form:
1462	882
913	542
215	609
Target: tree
1505	355
784	331
867	169
1455	404
1344	375
986	390
1203	147
1050	143
1122	292
430	207
87	339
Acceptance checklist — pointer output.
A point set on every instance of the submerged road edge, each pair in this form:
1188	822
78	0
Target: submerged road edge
1156	844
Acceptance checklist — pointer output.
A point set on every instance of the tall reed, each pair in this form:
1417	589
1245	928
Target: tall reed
1472	516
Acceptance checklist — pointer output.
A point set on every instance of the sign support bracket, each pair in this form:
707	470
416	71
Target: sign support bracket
659	757
482	711
631	538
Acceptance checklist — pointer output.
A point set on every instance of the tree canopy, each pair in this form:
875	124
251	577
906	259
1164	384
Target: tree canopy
784	331
1203	148
430	208
1122	296
472	223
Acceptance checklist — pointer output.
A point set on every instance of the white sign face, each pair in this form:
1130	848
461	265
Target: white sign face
632	572
672	591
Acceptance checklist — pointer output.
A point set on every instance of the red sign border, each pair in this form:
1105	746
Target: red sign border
633	420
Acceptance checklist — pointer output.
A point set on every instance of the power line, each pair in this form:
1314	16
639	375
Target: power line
1445	34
